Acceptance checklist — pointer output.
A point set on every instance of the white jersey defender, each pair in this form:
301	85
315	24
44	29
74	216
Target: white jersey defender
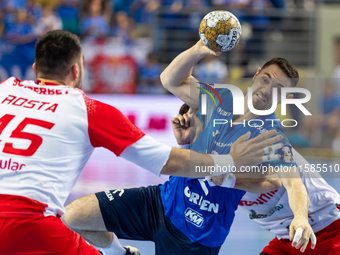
48	133
272	211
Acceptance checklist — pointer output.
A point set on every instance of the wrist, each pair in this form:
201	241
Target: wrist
200	50
237	164
301	217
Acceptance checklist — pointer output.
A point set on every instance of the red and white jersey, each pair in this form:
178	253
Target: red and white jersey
48	133
272	211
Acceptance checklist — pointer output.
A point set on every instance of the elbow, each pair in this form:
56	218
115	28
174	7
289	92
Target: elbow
269	185
177	163
171	169
164	80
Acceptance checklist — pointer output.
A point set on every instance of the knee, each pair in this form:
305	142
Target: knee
71	217
78	212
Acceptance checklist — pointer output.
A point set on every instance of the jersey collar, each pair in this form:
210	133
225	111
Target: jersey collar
42	82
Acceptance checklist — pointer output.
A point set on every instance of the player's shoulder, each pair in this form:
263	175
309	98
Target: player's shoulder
10	81
99	108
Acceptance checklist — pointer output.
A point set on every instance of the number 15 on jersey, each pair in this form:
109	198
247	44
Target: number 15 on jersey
18	133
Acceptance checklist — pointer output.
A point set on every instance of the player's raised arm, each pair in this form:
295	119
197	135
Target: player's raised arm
177	77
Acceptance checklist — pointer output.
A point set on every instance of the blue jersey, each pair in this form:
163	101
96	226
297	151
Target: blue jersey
204	213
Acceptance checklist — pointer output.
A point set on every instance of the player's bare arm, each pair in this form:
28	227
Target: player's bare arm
300	230
298	201
177	77
243	152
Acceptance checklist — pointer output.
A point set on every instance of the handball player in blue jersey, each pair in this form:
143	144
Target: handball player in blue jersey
185	215
276	73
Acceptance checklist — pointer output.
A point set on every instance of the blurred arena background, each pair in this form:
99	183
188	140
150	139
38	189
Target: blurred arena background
127	44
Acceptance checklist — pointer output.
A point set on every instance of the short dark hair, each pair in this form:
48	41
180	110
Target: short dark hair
287	67
56	52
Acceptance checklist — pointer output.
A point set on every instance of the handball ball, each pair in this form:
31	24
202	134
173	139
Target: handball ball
220	30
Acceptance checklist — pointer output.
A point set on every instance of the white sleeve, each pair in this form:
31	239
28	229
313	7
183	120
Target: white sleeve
148	154
223	164
184	146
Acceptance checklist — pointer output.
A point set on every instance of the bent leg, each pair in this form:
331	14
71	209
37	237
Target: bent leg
84	217
129	213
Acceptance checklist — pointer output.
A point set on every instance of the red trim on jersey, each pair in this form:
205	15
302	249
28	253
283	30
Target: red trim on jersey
262	199
19	206
328	242
109	128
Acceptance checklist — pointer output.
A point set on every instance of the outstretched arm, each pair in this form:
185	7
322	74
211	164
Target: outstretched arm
160	159
177	77
300	230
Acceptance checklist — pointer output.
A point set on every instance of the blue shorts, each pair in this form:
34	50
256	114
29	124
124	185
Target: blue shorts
138	214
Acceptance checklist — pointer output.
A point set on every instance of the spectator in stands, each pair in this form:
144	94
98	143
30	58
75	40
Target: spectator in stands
34	10
175	5
143	10
149	73
143	14
211	68
49	21
172	14
95	24
106	9
195	11
21	32
8	12
68	12
336	71
230	4
171	27
328	118
336	142
259	22
16	4
123	26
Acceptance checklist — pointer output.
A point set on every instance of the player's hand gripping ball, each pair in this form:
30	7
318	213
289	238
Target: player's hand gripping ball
220	30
